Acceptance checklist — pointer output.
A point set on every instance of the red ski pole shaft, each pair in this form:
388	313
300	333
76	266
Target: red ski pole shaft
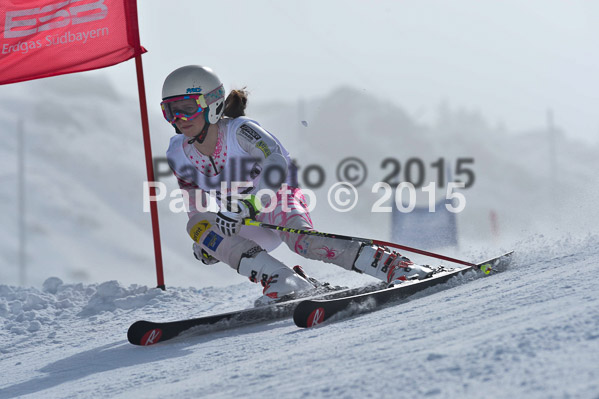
422	252
250	222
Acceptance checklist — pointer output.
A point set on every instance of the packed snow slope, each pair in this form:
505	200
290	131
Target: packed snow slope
529	332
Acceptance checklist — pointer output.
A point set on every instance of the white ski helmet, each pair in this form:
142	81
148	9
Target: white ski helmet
199	80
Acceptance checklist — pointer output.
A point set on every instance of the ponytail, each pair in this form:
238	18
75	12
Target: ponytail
235	103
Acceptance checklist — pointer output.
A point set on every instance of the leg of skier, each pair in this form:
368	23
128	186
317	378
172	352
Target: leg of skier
247	257
292	211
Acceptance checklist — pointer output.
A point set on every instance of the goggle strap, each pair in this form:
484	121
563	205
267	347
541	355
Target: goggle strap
214	95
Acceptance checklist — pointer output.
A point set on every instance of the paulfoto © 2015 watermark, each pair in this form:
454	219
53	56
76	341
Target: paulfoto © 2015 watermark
341	196
399	184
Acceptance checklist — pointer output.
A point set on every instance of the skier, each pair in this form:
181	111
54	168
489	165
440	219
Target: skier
215	146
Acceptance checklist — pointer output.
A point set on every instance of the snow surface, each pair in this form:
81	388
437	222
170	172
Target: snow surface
529	332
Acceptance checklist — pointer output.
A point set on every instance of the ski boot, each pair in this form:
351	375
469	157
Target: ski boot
391	267
279	281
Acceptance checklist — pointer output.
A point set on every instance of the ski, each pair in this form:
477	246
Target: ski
146	333
313	311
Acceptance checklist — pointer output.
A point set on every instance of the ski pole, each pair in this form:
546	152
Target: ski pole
250	222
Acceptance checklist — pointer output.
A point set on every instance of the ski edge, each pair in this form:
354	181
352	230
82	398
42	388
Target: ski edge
315	315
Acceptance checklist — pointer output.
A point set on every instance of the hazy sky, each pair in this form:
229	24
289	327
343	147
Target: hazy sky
509	59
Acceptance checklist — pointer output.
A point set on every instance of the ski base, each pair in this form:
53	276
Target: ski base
312	312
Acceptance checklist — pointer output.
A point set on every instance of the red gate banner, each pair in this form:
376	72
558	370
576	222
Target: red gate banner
42	38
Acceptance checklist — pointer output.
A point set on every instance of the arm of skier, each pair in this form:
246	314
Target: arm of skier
272	165
198	222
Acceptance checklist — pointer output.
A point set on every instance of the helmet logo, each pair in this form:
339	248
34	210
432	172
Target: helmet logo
194	90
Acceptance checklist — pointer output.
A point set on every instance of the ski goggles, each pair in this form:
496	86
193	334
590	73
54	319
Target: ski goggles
189	106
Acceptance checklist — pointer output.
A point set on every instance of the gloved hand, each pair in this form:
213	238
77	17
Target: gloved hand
202	255
229	222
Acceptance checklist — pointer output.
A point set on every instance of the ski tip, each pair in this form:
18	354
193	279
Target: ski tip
143	333
307	314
